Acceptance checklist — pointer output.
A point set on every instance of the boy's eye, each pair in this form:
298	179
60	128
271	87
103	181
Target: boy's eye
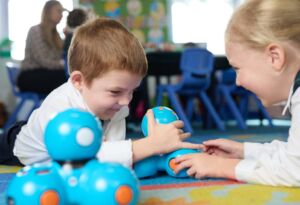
114	92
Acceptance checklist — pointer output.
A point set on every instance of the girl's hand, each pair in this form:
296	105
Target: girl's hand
202	165
224	148
165	138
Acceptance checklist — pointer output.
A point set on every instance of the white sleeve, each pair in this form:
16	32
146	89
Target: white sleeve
254	150
276	163
114	147
116	151
278	169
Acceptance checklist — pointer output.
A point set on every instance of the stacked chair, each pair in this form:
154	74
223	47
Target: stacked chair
196	65
233	100
22	97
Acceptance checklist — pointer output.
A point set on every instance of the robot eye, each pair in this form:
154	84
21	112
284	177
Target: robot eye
85	137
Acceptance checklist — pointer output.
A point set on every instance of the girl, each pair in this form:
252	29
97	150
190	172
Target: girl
263	44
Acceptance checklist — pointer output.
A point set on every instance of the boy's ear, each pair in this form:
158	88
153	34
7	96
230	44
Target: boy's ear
77	79
276	56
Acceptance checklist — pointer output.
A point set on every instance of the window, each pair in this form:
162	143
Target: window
201	21
24	14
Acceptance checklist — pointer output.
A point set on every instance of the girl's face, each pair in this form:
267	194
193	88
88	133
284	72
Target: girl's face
109	93
56	14
255	73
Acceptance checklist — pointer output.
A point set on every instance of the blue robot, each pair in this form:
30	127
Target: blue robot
37	185
162	115
73	137
152	165
108	183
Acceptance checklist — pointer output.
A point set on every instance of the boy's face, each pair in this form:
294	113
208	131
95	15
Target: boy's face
109	93
256	73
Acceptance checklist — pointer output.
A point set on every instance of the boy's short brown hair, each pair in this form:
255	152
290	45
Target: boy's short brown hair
102	45
76	17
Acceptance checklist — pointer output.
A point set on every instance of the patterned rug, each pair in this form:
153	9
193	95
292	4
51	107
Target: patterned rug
165	190
220	193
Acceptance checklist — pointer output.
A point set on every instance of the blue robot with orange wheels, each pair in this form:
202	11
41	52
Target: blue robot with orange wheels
152	165
73	138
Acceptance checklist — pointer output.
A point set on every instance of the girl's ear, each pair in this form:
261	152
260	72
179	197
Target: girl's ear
276	56
77	79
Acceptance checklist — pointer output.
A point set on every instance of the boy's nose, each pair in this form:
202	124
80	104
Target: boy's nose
125	100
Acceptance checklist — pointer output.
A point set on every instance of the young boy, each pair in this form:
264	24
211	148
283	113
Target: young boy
106	64
75	18
263	44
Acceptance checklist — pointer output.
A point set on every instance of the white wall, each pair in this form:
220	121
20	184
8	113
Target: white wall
30	19
3	19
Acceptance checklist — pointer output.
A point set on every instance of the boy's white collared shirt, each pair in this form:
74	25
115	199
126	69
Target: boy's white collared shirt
30	147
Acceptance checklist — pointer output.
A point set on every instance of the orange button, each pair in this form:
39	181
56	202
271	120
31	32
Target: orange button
124	195
49	197
172	164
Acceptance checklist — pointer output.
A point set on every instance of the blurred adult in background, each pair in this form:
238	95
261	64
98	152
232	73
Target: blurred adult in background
75	18
42	69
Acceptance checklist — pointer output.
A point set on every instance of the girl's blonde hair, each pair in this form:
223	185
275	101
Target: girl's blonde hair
102	45
260	22
50	34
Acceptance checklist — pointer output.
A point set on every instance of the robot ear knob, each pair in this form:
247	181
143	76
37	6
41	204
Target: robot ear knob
172	164
49	197
124	195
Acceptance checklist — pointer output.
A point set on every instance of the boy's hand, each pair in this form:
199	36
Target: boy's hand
202	165
165	138
224	148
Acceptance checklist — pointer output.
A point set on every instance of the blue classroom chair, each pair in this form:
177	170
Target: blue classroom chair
225	94
196	65
13	71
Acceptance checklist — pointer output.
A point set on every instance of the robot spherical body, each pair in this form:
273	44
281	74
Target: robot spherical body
111	184
170	165
151	165
162	115
37	185
73	137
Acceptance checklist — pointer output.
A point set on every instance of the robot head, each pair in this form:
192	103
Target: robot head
112	183
162	115
170	165
35	185
73	135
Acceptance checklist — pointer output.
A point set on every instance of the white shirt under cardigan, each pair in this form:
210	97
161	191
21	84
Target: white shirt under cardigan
30	147
276	163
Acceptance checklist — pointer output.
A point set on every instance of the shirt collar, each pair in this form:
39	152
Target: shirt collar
288	102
